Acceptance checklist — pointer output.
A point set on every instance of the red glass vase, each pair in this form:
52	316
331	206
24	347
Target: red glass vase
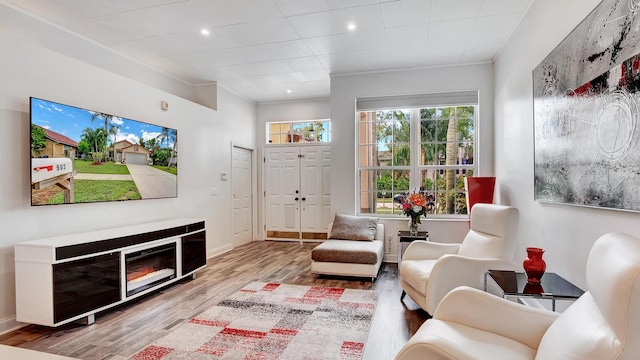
533	288
534	265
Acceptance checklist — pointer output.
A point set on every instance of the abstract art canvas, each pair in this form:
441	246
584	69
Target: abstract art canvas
586	112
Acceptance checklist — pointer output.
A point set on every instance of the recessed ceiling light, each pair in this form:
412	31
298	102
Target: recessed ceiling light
351	26
289	91
205	32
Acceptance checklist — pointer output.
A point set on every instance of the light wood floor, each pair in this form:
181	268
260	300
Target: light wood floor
120	332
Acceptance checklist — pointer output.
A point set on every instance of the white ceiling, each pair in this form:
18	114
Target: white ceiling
262	48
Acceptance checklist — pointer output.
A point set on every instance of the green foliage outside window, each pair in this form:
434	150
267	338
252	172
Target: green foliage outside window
444	155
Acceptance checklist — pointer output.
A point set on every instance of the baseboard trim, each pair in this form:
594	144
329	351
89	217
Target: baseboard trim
295	240
219	250
9	325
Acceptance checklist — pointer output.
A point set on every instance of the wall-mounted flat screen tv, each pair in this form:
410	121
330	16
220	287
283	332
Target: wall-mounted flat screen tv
84	156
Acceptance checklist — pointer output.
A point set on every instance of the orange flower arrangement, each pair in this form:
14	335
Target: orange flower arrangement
416	205
417	200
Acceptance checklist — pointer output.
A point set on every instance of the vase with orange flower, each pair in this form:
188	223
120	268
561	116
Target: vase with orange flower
415	206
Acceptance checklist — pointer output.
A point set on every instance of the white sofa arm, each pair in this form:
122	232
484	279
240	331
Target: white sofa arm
451	271
480	310
422	250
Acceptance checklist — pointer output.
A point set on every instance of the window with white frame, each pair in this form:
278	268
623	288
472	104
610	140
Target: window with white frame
299	131
416	148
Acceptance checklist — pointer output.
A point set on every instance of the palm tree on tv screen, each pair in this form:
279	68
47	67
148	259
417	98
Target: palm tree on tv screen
170	135
107	118
97	139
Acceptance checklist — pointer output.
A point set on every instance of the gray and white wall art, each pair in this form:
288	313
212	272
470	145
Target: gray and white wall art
586	112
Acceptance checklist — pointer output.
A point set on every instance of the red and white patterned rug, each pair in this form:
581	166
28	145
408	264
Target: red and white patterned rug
268	321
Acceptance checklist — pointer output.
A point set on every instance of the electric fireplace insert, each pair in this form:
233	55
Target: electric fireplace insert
150	267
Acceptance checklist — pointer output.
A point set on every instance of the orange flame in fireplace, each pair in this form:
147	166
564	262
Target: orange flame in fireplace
140	273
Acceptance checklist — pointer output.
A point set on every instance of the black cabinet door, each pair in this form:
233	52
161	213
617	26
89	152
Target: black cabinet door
84	285
194	252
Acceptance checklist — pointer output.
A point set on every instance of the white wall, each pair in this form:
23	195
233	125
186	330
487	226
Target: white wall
290	111
26	27
298	110
344	92
205	138
565	232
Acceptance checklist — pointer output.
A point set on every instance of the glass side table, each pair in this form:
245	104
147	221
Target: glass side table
552	286
405	237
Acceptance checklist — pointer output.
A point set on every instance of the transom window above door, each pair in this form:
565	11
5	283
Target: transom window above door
306	131
409	148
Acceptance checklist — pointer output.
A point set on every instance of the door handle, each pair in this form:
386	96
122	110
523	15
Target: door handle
296	199
303	199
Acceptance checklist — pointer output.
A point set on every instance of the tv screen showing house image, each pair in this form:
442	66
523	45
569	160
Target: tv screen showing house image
83	156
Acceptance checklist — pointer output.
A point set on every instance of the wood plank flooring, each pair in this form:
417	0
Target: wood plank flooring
119	332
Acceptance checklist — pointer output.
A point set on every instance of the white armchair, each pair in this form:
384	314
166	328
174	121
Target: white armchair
603	324
429	270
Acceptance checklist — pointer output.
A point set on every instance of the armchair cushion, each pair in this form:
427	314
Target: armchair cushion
472	324
348	227
416	272
451	271
491	218
492	232
419	250
352	252
480	245
489	313
577	336
439	340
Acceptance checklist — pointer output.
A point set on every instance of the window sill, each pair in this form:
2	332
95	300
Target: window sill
449	218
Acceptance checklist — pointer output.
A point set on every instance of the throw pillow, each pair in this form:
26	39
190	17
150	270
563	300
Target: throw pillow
348	227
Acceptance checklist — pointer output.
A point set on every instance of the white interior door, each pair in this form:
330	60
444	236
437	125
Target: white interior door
315	188
297	191
282	187
242	202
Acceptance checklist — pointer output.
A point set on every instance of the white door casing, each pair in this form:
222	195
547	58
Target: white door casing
242	190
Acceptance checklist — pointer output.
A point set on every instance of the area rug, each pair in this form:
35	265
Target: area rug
269	321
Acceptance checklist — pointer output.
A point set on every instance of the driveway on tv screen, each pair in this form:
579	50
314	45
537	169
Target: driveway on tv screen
151	182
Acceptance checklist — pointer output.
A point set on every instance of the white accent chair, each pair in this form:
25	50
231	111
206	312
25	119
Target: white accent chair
603	324
429	270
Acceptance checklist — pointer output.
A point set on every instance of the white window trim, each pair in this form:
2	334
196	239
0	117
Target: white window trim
414	168
291	122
